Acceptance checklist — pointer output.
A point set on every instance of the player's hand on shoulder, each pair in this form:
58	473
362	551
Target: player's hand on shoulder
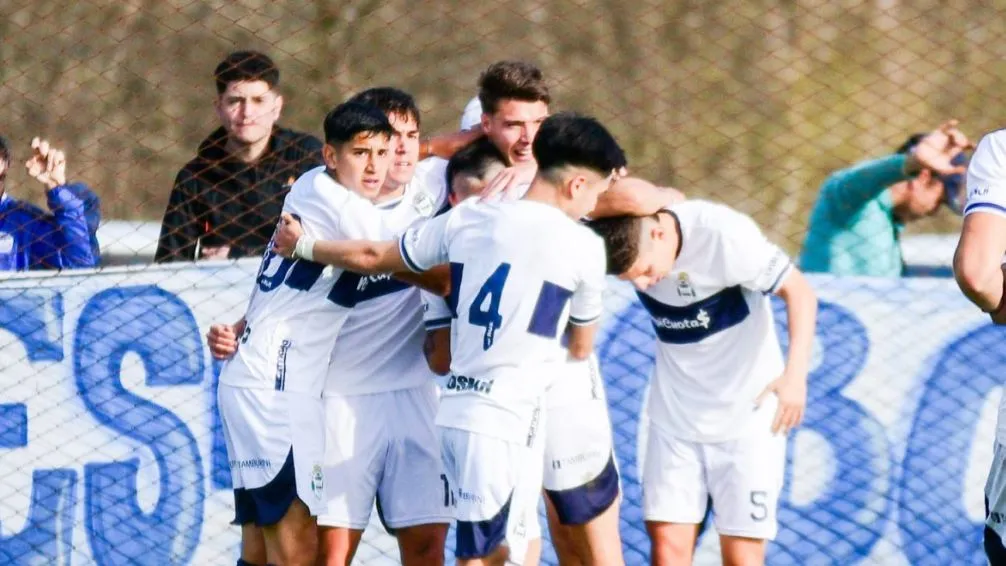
288	232
223	339
47	164
507	181
791	390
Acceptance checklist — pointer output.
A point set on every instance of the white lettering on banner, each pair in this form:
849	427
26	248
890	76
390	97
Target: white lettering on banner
111	449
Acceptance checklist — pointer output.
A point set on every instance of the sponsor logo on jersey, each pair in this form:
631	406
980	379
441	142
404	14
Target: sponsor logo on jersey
351	289
701	320
361	286
461	383
694	322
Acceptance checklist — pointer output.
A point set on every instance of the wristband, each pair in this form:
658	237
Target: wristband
304	248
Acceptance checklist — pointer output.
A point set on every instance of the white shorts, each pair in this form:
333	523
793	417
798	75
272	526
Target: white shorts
742	477
580	475
275	442
384	445
495	485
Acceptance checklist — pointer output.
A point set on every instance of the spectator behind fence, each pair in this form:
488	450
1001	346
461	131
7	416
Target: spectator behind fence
65	237
226	201
860	211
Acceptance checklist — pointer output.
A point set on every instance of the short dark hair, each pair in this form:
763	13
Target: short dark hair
570	139
246	66
474	159
511	80
912	141
390	100
621	236
5	154
348	119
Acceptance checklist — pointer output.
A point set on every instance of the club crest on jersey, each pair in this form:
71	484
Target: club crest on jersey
685	286
423	204
318	482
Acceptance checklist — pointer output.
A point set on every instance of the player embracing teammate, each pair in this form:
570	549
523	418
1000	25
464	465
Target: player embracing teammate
522	407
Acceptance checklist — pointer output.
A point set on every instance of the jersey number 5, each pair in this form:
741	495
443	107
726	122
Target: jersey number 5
548	310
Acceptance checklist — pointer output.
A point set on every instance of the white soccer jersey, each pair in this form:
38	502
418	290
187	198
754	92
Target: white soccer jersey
986	178
986	185
472	115
292	319
380	347
436	311
520	270
716	343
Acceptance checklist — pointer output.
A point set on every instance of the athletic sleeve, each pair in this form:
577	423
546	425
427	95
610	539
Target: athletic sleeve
986	178
588	298
436	313
424	245
749	258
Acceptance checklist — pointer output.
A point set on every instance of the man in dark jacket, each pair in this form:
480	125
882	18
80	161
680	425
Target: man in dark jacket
65	237
226	201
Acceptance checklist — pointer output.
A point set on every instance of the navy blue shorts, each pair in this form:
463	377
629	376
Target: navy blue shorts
580	505
266	505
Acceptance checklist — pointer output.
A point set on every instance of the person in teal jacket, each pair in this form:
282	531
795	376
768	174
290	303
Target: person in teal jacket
861	210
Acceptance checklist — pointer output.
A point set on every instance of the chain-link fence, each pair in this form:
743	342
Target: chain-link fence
110	442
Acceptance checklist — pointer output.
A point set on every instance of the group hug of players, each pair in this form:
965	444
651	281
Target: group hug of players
421	335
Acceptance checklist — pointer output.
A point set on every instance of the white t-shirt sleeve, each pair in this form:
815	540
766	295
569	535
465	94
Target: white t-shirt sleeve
424	245
587	304
749	258
436	313
986	178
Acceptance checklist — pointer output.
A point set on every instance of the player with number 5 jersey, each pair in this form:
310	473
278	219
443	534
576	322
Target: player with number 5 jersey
270	391
522	272
721	393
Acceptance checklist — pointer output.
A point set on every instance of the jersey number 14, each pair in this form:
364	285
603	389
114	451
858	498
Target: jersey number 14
485	308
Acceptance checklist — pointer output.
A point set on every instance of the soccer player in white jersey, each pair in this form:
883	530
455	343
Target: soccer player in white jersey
270	391
380	397
722	399
466	174
978	268
512	293
514	98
